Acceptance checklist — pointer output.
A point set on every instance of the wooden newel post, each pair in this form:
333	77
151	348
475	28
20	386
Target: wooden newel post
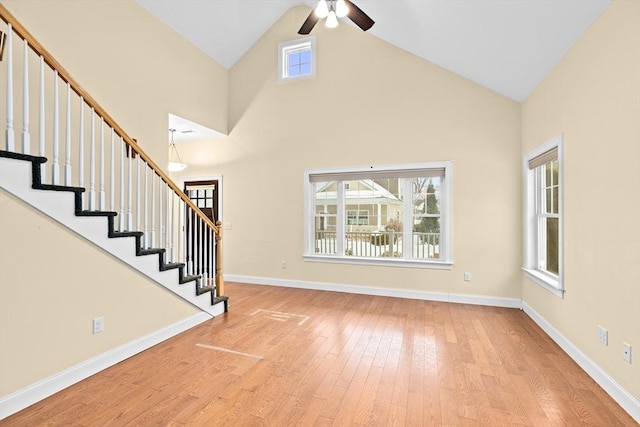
219	277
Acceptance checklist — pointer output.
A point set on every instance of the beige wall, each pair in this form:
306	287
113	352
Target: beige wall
136	67
370	103
592	97
48	300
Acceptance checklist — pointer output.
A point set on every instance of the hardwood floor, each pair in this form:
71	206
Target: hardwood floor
291	357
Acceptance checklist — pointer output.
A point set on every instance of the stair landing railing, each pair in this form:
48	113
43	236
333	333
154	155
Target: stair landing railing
87	148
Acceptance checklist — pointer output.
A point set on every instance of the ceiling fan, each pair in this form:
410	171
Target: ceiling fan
332	10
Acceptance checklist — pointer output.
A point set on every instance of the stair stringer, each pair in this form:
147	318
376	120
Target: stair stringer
16	179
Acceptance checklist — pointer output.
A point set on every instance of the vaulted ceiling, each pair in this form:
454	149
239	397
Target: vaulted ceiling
507	46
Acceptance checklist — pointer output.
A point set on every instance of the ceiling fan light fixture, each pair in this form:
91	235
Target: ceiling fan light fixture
341	9
332	20
322	9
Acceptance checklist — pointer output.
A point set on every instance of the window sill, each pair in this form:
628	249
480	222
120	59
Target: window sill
431	264
550	284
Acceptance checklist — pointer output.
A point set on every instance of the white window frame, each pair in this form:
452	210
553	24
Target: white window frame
531	229
446	190
287	47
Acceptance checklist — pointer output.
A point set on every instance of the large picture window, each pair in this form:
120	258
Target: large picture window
543	216
392	215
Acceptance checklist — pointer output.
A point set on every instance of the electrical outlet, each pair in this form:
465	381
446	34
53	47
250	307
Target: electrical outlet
603	335
467	276
626	352
283	264
98	325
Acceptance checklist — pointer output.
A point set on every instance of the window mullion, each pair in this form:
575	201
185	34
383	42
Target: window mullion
407	219
340	219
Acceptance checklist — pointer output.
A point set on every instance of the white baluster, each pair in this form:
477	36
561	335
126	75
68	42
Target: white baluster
160	222
67	141
146	200
129	201
9	133
189	241
81	146
92	163
41	128
205	253
101	189
171	223
55	162
181	233
138	224
26	138
153	209
167	224
122	160
112	178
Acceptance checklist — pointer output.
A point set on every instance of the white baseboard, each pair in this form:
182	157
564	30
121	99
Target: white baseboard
21	399
628	402
386	292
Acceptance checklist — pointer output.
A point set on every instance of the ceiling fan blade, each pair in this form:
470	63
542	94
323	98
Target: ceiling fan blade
359	18
309	23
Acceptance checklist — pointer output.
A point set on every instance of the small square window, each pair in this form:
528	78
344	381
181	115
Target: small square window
296	59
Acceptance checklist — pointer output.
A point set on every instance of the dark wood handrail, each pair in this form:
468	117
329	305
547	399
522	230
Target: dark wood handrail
88	99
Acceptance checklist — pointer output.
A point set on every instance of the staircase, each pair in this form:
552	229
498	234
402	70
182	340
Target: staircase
20	175
94	179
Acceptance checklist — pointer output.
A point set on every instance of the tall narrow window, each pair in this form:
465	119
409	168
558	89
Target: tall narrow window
390	215
543	216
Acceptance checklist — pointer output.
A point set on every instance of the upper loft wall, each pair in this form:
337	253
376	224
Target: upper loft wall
133	65
370	103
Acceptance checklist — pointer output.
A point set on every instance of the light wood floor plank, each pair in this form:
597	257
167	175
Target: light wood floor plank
337	359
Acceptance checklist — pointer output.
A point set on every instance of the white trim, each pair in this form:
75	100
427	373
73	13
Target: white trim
545	281
21	399
385	262
385	292
625	399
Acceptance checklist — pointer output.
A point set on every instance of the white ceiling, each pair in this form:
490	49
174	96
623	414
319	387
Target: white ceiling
505	45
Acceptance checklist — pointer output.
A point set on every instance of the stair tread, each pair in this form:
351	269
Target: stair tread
19	156
96	213
187	279
171	266
204	290
52	187
116	234
151	251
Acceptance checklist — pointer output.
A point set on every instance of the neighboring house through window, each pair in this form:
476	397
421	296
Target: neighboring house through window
543	222
389	215
296	59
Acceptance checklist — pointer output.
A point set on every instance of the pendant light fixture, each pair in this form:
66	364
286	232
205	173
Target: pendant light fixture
175	163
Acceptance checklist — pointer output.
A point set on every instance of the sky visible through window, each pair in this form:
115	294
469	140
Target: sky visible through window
299	63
